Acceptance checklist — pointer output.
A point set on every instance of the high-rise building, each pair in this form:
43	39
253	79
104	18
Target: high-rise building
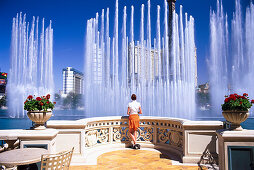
156	64
139	66
97	64
72	81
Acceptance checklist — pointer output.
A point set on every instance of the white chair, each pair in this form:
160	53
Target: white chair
59	161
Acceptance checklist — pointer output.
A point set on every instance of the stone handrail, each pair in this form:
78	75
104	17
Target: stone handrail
157	131
160	131
191	141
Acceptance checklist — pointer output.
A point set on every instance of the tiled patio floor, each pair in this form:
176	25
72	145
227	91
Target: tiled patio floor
134	159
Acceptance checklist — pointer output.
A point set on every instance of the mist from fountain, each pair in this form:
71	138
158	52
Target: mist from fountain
231	57
31	69
163	80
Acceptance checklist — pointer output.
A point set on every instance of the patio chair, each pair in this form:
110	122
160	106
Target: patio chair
59	161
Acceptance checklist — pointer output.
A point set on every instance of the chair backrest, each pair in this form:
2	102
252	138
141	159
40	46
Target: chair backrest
59	161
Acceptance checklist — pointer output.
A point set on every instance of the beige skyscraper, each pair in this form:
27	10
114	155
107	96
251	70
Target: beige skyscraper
72	81
139	66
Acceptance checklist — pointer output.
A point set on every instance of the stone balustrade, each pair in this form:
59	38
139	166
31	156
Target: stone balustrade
164	131
188	141
191	141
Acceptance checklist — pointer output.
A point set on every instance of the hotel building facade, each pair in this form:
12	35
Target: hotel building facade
72	81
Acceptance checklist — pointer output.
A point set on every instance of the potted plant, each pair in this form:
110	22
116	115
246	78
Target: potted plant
236	109
39	110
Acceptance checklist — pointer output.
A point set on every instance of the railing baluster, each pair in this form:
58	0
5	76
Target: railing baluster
111	135
169	127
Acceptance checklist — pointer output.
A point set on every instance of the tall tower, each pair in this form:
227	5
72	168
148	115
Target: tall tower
171	8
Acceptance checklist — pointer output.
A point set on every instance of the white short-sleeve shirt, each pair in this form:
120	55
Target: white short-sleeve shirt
134	107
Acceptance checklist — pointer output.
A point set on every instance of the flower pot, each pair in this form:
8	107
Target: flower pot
39	118
235	117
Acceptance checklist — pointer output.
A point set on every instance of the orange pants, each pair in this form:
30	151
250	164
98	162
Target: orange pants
134	122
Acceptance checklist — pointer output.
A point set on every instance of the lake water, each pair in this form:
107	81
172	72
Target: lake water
26	123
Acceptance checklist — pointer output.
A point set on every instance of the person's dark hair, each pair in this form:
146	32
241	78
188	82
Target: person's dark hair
133	97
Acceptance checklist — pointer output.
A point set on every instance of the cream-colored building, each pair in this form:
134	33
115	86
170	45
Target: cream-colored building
156	64
141	68
72	81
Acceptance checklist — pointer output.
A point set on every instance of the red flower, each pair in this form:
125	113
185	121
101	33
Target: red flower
41	103
38	99
47	102
48	96
245	94
54	102
226	100
30	97
252	101
25	102
232	97
240	102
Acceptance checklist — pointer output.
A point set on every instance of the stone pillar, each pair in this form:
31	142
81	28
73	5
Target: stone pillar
242	140
171	9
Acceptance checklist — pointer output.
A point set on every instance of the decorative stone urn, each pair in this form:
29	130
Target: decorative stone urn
235	117
39	118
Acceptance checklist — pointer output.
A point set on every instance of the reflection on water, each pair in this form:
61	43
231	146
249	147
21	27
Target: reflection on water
26	123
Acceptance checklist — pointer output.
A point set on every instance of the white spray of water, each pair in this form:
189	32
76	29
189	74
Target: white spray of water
164	82
31	70
231	63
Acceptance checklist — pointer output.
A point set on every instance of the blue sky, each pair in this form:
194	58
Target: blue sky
69	23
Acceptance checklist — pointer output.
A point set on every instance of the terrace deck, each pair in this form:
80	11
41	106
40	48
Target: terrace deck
136	159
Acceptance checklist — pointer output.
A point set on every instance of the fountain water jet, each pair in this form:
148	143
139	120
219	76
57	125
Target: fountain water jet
156	75
31	70
231	69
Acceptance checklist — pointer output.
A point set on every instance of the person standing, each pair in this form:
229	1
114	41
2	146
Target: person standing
134	109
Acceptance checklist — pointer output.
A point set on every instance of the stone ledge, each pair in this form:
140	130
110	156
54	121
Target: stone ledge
15	134
66	124
243	136
206	125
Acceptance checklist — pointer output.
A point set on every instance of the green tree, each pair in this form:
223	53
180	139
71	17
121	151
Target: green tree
202	99
3	101
73	101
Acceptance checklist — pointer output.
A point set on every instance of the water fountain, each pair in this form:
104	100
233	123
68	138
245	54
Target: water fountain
31	69
231	56
163	79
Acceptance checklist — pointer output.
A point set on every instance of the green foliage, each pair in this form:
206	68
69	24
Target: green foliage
73	101
237	102
40	103
202	99
57	97
3	101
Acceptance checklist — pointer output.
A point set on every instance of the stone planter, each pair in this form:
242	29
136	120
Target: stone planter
39	118
235	117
